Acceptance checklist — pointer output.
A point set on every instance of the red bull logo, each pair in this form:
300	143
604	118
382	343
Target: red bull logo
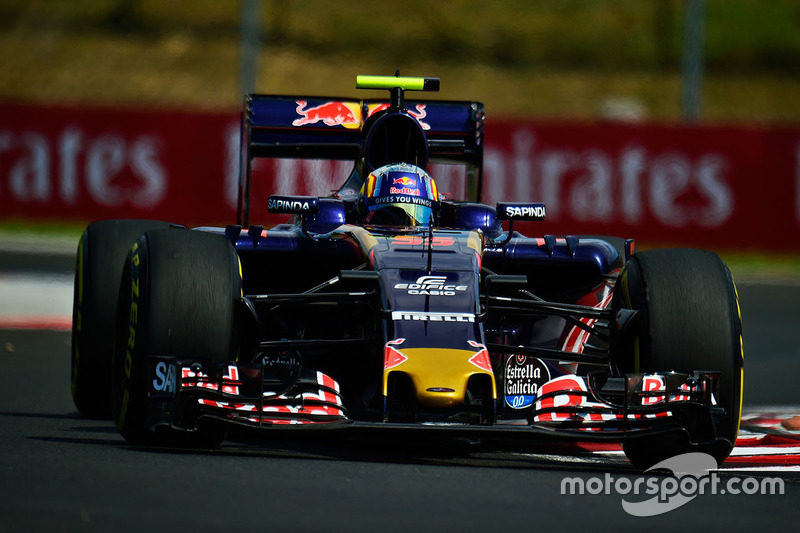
330	113
419	114
404	190
405	180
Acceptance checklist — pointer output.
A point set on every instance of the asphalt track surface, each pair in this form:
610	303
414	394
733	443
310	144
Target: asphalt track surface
59	471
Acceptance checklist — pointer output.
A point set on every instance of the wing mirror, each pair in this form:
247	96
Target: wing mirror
293	205
520	211
318	216
511	211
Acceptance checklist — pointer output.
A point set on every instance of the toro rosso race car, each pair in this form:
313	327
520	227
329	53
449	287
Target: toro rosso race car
385	306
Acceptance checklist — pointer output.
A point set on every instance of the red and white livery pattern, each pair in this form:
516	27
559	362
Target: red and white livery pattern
322	406
576	337
557	396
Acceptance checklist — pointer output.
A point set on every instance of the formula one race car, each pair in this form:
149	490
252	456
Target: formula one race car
384	306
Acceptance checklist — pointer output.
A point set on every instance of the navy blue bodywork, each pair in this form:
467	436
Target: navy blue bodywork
347	324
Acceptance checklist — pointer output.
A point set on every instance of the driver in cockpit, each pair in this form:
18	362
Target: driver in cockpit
398	195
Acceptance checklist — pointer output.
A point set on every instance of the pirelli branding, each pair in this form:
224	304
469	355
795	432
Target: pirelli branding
433	317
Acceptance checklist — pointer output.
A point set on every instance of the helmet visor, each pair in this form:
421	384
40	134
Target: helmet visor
399	214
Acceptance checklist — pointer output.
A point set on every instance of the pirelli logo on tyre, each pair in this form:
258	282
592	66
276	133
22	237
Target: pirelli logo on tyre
133	320
133	317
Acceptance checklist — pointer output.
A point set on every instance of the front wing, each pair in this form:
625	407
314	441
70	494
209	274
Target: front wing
593	407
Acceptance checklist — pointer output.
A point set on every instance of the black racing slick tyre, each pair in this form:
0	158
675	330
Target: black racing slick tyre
689	319
178	298
101	255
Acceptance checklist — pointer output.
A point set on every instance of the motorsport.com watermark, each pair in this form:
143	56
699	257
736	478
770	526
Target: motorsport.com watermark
691	479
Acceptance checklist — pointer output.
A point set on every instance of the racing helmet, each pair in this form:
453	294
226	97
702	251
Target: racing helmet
399	195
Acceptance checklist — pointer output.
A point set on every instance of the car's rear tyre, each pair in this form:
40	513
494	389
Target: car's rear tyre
689	320
101	255
177	298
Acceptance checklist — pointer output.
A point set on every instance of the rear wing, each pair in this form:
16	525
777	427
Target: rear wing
333	128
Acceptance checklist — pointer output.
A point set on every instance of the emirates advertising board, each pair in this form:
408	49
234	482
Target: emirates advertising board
718	187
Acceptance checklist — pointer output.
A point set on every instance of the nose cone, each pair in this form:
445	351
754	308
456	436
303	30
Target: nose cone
440	375
441	397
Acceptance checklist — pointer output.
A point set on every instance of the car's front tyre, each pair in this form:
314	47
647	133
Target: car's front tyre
689	319
178	299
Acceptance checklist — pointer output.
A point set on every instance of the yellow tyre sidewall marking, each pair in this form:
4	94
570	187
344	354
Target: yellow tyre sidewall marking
133	318
79	295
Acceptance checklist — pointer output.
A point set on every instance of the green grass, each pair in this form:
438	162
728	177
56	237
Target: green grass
54	230
550	58
783	267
